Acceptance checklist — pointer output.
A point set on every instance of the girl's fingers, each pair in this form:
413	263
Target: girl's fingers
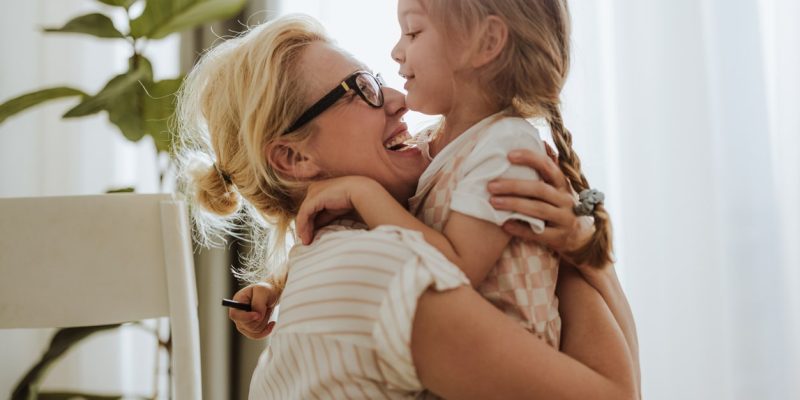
546	168
299	222
307	218
307	232
325	218
539	190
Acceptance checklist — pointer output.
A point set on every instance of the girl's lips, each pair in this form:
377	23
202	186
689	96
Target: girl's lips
408	79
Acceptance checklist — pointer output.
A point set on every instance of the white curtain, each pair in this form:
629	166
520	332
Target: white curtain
687	114
40	154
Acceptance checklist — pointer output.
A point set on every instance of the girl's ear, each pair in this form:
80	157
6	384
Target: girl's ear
492	41
290	159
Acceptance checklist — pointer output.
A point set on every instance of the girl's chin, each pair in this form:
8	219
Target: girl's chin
414	104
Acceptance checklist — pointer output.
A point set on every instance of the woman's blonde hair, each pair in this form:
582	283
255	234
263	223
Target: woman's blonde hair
528	76
240	97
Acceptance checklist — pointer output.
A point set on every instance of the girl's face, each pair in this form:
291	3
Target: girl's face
424	62
352	136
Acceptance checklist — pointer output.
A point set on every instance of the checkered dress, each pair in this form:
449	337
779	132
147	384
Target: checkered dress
522	283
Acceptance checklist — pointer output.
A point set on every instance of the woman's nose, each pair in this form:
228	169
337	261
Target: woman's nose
394	102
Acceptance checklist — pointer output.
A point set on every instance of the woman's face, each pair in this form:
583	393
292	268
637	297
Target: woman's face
351	136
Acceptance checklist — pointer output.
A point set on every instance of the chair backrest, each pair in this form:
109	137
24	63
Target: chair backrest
95	260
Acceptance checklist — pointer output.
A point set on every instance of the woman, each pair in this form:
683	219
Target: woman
369	313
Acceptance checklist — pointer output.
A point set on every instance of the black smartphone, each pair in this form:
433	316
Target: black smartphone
236	305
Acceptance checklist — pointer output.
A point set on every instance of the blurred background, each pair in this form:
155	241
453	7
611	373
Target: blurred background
685	112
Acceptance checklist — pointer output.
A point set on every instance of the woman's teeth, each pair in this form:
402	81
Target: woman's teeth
397	142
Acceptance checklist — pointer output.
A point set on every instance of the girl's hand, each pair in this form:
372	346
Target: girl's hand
325	201
551	200
255	324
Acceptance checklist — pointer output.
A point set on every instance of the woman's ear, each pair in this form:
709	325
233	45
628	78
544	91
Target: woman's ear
492	41
291	160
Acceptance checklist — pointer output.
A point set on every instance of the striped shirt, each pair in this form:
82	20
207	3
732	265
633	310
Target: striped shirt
346	316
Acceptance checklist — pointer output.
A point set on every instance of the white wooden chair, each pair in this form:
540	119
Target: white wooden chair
96	260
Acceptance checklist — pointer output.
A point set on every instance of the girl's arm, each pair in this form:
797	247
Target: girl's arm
474	254
463	347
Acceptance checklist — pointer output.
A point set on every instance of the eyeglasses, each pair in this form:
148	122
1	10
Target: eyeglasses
367	86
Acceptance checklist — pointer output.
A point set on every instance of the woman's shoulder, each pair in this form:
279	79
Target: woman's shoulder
341	245
386	248
343	277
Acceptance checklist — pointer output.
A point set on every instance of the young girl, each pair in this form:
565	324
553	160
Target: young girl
485	66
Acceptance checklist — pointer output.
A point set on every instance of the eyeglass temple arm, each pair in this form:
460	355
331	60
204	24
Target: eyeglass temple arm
332	97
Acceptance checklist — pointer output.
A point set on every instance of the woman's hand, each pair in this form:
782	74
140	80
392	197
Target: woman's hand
255	324
325	201
551	200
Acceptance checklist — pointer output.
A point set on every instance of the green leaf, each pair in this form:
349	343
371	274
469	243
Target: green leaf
121	190
62	341
92	24
115	91
159	107
28	100
84	396
118	3
160	18
125	111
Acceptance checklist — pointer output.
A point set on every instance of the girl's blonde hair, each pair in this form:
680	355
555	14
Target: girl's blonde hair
528	76
240	97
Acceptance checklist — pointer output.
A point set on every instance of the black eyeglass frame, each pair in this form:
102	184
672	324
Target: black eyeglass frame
348	84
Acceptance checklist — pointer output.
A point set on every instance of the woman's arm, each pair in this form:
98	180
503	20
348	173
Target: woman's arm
463	347
551	200
605	281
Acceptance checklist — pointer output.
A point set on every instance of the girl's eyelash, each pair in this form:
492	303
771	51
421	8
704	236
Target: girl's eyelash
412	35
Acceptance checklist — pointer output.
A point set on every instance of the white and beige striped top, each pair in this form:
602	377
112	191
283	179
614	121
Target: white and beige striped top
346	315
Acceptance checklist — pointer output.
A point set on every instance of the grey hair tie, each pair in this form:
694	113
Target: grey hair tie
587	200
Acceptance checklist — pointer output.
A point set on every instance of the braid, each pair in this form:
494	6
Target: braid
597	251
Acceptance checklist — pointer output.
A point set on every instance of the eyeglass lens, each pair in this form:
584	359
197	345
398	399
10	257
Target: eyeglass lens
370	88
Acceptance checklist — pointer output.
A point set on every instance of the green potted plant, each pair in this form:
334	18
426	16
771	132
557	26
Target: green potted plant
135	103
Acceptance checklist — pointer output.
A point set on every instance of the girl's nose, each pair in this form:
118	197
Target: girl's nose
397	53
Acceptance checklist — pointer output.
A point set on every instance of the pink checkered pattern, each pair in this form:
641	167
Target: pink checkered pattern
523	281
